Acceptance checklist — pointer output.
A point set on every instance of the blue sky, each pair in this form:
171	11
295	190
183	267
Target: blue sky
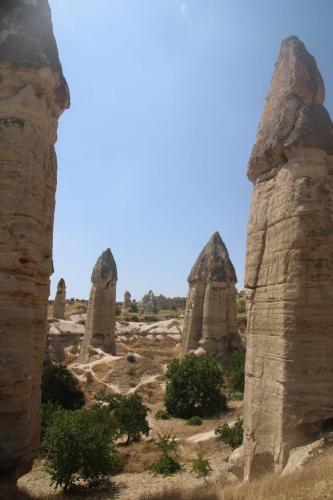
166	100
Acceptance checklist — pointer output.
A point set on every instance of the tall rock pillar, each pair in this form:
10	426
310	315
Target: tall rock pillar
33	94
210	314
127	301
289	267
101	314
60	300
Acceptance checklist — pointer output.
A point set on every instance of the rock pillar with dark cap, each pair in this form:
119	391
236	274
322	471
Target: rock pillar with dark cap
60	300
289	267
101	314
33	95
127	300
210	315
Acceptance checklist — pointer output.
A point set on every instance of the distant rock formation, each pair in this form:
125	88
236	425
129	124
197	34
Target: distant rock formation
101	314
60	300
127	300
210	323
33	94
289	267
150	301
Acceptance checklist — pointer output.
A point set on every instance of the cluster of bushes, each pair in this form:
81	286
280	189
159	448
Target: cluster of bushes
80	443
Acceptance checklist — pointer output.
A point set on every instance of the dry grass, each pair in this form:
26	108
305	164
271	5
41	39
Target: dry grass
200	493
314	482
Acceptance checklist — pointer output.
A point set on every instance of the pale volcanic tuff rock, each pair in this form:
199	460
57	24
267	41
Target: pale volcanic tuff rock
101	314
33	94
289	267
127	300
210	317
60	300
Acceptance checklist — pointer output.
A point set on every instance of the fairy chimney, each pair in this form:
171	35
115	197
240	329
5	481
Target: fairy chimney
210	315
101	314
289	271
33	95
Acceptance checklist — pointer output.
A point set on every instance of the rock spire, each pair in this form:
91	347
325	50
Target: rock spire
101	314
33	95
210	316
289	271
60	300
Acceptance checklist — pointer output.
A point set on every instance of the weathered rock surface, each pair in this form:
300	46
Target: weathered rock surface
64	339
210	317
127	300
60	300
101	314
33	94
289	267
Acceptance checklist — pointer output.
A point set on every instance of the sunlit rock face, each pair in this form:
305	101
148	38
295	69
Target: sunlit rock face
33	94
210	324
289	267
101	314
60	300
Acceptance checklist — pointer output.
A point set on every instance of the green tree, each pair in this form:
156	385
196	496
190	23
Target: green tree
61	387
194	387
237	372
129	414
79	446
131	418
201	467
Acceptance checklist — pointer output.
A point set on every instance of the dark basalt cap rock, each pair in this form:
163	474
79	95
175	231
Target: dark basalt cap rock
27	39
61	284
105	270
294	114
213	263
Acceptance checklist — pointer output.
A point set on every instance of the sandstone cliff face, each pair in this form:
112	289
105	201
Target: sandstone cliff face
33	94
101	314
289	267
60	300
210	316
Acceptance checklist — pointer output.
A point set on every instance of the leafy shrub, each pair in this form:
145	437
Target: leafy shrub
237	372
231	435
201	467
109	400
194	387
162	415
47	414
60	386
118	311
194	420
150	319
241	306
79	445
166	464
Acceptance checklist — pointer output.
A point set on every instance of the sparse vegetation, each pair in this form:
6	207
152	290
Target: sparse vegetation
150	319
61	387
194	387
231	435
167	463
194	420
162	415
201	467
79	446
